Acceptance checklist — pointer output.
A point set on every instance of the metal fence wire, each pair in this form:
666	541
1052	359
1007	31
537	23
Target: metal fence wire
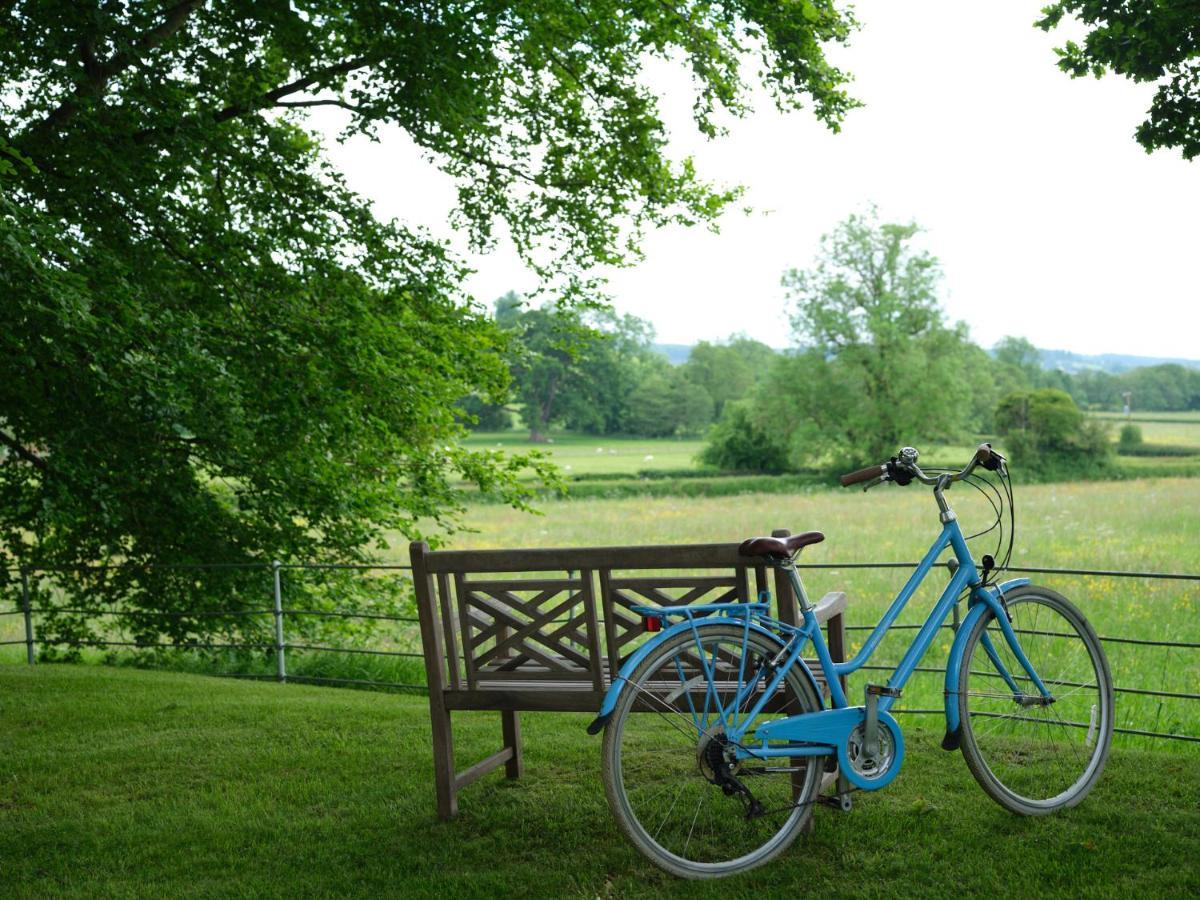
280	646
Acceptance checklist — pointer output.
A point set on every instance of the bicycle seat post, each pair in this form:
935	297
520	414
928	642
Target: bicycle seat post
788	564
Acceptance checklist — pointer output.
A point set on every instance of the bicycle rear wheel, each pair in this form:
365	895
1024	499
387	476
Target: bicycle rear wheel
1035	757
668	771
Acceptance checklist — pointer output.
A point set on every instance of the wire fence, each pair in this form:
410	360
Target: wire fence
279	647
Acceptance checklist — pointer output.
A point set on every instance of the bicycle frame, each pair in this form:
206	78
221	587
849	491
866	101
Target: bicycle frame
827	731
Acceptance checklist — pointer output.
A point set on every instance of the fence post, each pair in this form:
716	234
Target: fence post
280	664
28	610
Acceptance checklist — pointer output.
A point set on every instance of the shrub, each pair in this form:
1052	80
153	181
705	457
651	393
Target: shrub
739	443
1047	436
1131	436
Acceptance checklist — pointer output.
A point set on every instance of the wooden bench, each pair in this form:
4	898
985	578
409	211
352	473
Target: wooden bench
537	630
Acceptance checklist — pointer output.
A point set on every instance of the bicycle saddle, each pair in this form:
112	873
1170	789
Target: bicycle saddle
773	546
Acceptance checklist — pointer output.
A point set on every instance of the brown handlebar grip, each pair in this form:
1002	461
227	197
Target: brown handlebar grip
984	453
862	475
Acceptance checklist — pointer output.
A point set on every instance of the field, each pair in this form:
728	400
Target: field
1143	526
1148	525
153	784
579	454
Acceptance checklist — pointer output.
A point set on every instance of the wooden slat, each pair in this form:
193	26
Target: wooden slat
668	556
553	585
464	619
608	613
743	585
448	625
477	771
673	581
532	699
524	633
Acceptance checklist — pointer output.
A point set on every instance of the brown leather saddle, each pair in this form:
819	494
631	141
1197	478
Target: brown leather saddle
779	547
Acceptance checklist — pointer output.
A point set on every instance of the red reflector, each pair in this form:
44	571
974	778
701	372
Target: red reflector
651	623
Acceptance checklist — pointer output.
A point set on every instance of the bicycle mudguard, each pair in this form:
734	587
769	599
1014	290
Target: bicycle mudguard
988	602
618	683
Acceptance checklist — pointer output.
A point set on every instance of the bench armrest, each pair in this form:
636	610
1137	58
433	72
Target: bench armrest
832	604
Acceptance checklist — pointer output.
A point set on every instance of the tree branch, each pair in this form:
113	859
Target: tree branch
301	104
271	98
26	454
274	96
98	74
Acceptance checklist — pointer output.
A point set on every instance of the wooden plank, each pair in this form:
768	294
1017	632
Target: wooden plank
481	768
608	612
668	556
743	585
439	715
592	630
553	585
832	604
533	699
636	584
785	599
464	619
453	665
511	727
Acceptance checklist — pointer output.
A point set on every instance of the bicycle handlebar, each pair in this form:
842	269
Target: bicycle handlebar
866	474
906	463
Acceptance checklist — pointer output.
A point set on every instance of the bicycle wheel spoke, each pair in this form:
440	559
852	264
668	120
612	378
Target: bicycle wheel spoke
675	782
1035	757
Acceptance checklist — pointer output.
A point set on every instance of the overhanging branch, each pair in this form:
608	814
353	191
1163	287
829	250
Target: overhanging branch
23	452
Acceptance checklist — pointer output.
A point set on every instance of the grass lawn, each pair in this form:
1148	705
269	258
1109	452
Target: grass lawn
125	783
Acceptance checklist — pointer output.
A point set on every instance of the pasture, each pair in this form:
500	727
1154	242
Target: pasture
152	784
1148	525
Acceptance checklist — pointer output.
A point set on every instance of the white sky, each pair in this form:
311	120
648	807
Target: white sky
1049	219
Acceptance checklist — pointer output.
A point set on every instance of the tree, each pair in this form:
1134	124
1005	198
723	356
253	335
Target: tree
1019	353
878	367
666	404
728	371
1146	41
1045	433
740	443
213	350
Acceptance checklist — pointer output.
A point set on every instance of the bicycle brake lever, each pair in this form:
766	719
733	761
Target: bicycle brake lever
875	482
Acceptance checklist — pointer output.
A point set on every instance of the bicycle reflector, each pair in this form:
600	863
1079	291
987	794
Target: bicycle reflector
651	623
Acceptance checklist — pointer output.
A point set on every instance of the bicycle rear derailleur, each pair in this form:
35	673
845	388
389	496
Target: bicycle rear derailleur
719	764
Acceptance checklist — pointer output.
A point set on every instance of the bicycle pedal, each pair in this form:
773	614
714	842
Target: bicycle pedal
883	690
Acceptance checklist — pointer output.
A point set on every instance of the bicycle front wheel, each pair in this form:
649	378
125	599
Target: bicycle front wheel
670	773
1031	754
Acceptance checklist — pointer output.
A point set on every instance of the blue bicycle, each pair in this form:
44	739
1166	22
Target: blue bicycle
716	737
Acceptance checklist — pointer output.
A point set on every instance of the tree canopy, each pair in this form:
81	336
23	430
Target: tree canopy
212	348
1154	41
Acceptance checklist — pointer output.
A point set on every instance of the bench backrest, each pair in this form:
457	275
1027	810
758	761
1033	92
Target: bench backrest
560	619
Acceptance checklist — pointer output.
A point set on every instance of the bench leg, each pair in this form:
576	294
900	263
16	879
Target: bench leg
515	766
443	762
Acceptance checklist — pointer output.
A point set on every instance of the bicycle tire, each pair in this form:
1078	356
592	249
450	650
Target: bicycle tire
1037	759
632	738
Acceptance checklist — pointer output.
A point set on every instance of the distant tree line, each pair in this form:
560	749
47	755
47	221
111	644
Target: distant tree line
594	371
875	364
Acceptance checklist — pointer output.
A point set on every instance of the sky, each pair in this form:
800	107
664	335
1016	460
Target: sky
1049	220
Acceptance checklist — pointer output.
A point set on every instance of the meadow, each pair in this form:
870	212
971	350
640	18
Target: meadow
1148	525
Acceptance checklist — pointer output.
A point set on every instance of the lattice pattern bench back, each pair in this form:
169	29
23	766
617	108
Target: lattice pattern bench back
527	623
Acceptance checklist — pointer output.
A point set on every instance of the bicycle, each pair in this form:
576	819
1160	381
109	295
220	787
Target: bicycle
716	737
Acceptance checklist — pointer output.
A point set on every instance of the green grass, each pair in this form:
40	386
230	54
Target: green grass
580	454
1180	429
1145	525
147	784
